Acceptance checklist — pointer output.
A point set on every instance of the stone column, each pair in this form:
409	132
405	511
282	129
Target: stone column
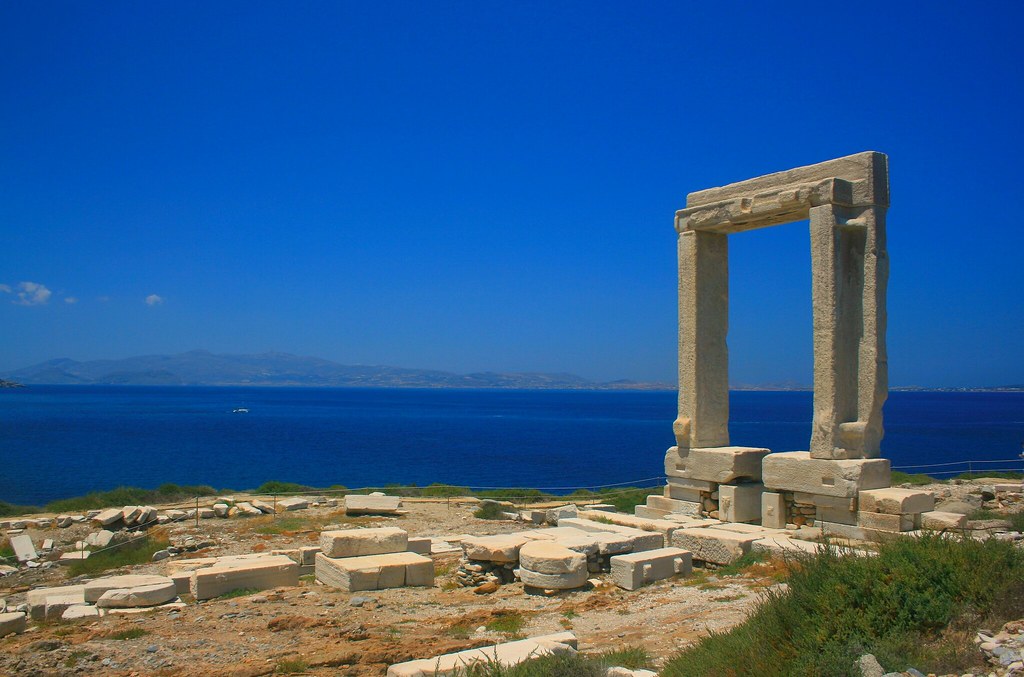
703	354
849	277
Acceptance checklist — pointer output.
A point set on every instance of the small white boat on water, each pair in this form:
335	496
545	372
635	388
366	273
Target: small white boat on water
240	410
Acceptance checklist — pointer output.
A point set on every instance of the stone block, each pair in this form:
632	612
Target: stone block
100	539
682	506
207	513
372	505
633	570
756	530
138	596
292	503
24	551
131	514
662	526
548	557
713	544
78	556
93	590
360	542
843	531
73	613
740	502
57	604
715	464
375	572
839	515
638	538
13	623
896	501
498	548
797	471
506	654
1009	488
882	522
684	484
107	517
36	599
263	507
246	509
221	510
564	581
182	582
820	501
307	554
937	520
784	547
261	573
644	512
552	515
605	507
773	510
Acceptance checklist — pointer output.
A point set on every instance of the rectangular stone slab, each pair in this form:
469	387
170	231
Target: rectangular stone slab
939	520
773	510
673	505
643	512
715	464
36	599
506	654
784	546
632	571
372	505
375	572
665	527
360	542
713	545
740	502
23	548
896	501
261	574
797	471
640	540
892	523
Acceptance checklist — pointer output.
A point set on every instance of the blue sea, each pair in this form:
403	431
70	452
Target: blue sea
60	441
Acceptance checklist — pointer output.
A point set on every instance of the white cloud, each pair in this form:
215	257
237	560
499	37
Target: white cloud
32	294
5	289
71	300
154	300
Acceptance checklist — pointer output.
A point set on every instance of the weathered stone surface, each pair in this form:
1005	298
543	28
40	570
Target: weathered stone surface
73	613
552	515
93	590
713	545
633	570
506	654
662	526
498	548
77	556
548	557
773	510
263	573
360	542
820	501
671	504
718	464
896	501
797	471
882	522
221	509
36	599
375	572
689	485
131	514
24	551
57	604
372	505
740	502
937	520
778	545
263	506
138	596
292	503
246	509
839	515
107	517
12	623
182	582
100	539
566	581
208	513
639	539
643	512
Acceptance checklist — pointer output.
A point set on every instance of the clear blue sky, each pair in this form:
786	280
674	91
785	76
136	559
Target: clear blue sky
491	186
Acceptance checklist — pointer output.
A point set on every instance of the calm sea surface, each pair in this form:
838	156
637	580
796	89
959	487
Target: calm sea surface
58	441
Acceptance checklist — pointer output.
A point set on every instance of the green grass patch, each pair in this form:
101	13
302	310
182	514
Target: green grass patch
281	525
906	606
444	491
130	633
12	510
998	474
291	666
275	487
632	657
1016	519
562	665
239	592
165	493
458	631
508	622
515	494
137	551
743	563
898	477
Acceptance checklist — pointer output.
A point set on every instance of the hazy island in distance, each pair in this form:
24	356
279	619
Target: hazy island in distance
202	368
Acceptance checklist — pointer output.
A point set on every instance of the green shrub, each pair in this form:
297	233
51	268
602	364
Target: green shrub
239	592
626	498
166	493
910	478
275	487
836	608
489	511
444	491
131	633
509	622
515	494
999	474
291	666
11	510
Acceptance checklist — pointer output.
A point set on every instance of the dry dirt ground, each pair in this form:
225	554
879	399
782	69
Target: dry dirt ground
324	631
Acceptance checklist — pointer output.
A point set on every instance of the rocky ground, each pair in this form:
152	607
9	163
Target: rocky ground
322	630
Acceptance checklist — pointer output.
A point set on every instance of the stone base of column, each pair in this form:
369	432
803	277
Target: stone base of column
723	465
796	471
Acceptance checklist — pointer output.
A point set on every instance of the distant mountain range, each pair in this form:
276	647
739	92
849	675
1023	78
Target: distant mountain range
199	367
